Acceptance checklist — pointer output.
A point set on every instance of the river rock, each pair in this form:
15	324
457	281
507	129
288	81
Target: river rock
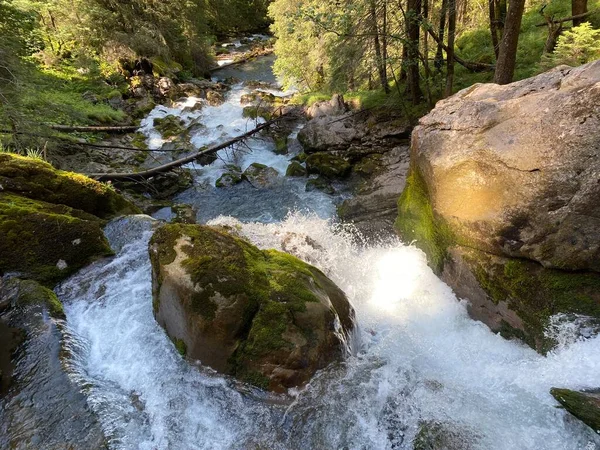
328	165
41	406
327	133
511	172
260	175
232	177
373	209
262	316
333	107
214	98
295	169
585	405
50	220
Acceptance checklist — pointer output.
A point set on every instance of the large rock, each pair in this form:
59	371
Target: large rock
583	405
262	316
333	107
504	187
41	404
327	133
38	180
50	220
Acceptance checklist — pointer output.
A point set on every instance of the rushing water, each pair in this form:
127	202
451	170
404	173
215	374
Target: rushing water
421	358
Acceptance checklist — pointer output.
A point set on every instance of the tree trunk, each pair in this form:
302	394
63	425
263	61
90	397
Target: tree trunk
450	56
494	26
412	26
379	61
507	57
439	55
578	7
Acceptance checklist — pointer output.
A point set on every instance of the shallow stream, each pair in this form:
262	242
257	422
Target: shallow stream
420	359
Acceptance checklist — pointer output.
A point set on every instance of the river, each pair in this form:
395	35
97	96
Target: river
420	359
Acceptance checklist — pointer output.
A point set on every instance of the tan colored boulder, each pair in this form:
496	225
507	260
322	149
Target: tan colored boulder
264	317
503	196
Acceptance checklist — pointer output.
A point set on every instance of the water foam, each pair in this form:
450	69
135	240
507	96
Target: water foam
422	359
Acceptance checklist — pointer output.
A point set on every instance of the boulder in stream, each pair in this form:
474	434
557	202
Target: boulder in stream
260	175
51	220
585	405
503	197
262	316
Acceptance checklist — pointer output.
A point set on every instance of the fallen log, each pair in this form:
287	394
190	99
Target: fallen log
137	176
122	129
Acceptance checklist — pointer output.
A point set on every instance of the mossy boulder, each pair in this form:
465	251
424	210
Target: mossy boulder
232	177
295	169
169	126
320	184
262	316
45	241
260	175
434	435
585	405
50	220
38	180
503	197
254	112
328	165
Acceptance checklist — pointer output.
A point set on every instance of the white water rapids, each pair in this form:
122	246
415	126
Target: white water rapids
421	358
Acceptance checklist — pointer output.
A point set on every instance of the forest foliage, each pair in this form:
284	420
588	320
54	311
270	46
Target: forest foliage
358	46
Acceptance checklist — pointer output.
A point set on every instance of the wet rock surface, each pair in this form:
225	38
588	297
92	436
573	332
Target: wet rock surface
42	408
263	316
503	198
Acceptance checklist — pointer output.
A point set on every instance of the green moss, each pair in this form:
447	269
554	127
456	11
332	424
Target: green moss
328	165
274	285
38	180
181	347
417	223
281	147
30	292
295	169
253	112
536	293
583	405
255	378
169	126
35	236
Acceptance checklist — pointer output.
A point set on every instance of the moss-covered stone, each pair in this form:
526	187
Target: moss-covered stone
253	112
250	313
320	184
535	293
435	435
169	126
232	177
416	222
38	180
295	169
583	405
281	146
328	165
28	292
47	242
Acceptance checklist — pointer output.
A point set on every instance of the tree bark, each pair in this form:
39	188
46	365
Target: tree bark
439	55
578	7
412	26
124	129
450	58
507	57
379	61
494	26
